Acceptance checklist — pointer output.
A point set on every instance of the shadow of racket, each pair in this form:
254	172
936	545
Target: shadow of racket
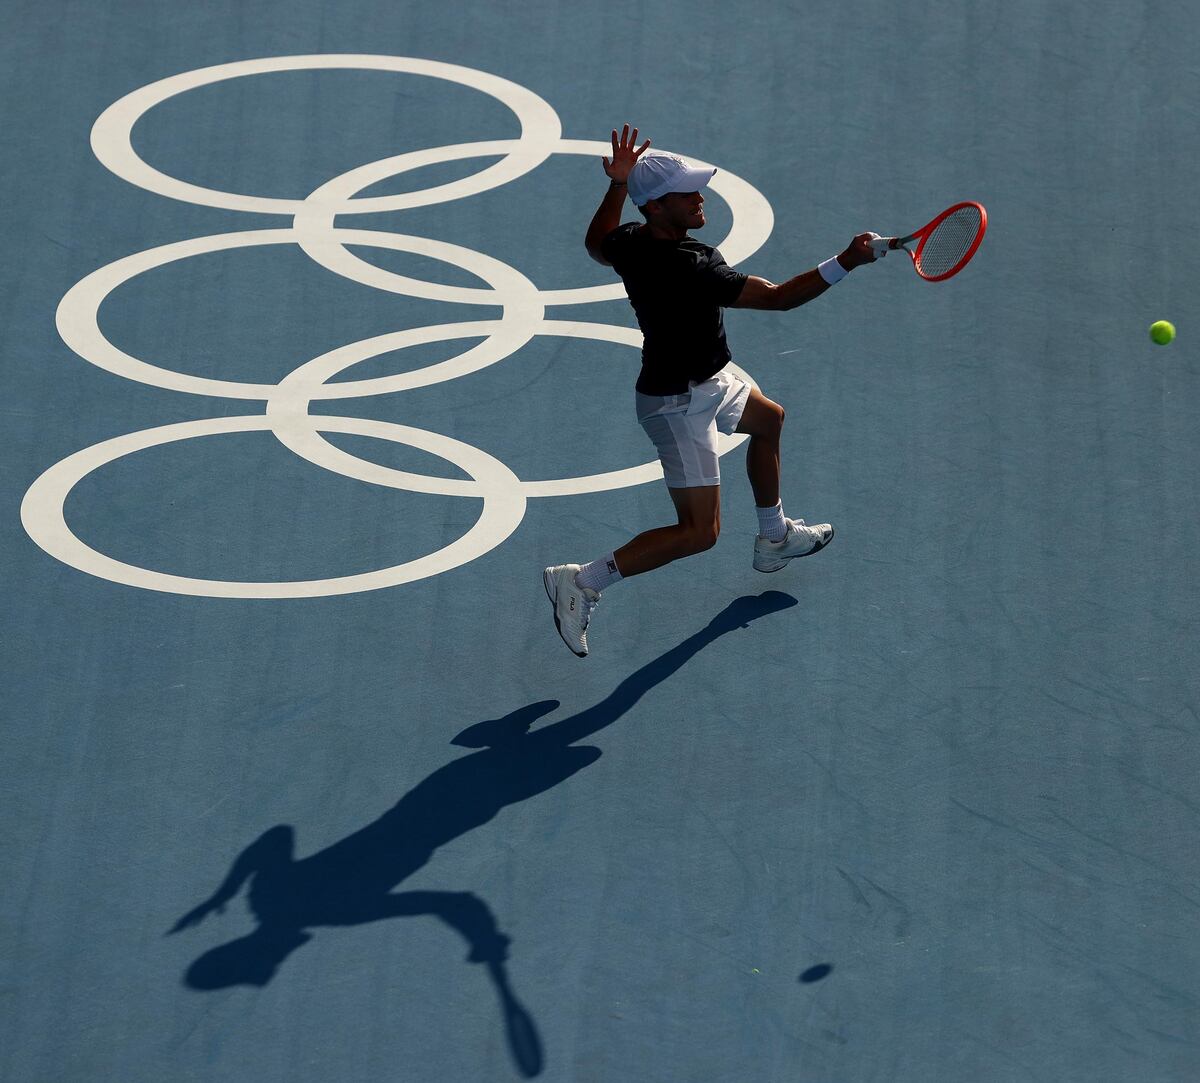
524	1043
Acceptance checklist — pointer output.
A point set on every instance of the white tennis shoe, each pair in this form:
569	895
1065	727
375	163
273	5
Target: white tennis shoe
800	540
573	605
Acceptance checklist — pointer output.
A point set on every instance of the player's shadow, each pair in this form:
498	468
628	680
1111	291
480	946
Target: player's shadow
351	882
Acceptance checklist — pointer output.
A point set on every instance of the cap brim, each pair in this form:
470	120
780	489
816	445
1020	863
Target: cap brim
693	180
690	181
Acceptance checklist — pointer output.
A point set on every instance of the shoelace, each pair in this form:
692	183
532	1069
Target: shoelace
799	523
585	618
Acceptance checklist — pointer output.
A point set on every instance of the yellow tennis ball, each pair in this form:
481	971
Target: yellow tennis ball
1162	332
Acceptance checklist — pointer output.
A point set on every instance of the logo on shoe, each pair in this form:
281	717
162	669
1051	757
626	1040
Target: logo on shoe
572	605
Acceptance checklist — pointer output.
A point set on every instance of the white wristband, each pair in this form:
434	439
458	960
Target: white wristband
832	271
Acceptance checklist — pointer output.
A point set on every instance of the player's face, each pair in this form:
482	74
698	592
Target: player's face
685	210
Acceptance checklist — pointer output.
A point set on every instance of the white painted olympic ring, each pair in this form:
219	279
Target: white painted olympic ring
78	313
296	431
44	521
112	132
752	222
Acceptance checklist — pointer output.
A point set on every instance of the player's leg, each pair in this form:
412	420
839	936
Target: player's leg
698	510
683	429
763	420
779	539
574	590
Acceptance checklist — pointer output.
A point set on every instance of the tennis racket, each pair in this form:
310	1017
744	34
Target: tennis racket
946	245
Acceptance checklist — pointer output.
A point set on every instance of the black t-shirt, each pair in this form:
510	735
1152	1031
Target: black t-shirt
677	289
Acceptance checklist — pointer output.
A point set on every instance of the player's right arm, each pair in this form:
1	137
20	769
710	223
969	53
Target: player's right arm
608	214
761	294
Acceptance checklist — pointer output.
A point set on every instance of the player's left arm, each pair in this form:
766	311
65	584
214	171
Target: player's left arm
762	294
608	214
248	862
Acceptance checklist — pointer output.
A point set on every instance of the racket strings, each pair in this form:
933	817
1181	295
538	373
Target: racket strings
949	242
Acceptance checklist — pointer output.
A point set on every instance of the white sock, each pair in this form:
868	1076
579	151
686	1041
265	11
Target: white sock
771	523
599	574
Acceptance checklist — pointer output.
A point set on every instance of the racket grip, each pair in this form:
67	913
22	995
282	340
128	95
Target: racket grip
881	245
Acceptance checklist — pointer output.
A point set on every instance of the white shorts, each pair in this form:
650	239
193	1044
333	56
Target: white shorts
684	427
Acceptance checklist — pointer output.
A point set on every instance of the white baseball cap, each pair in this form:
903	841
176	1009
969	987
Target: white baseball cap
655	174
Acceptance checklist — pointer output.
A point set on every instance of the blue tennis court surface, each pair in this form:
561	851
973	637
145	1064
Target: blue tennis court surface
308	376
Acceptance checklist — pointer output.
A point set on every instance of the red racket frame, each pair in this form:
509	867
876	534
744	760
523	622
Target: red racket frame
925	231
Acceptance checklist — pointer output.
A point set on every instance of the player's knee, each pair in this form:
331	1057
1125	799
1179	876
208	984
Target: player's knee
768	423
703	537
776	421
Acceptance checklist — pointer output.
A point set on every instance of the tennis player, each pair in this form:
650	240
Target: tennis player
685	394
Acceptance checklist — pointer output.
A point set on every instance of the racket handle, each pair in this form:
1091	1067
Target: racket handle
881	245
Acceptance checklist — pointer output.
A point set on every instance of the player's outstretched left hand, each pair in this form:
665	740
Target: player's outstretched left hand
860	252
626	152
